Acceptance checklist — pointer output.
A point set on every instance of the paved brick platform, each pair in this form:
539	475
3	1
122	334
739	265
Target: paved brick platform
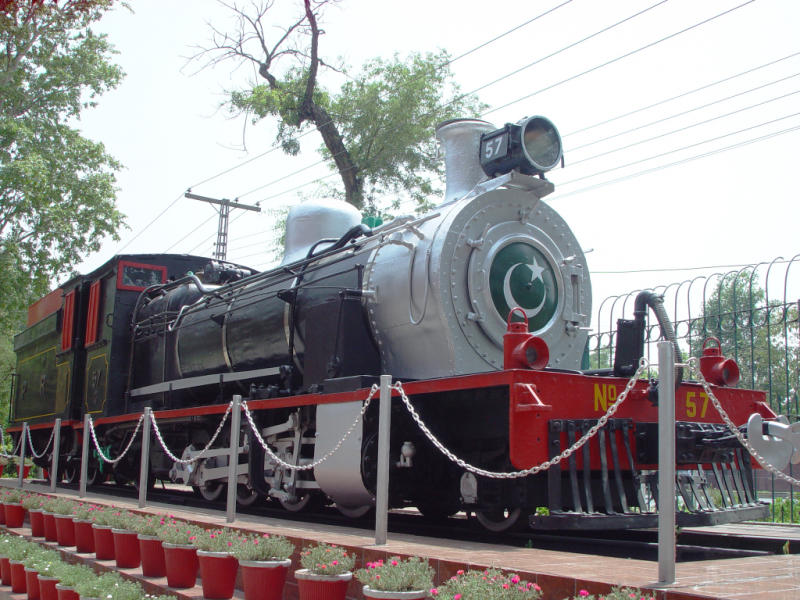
560	574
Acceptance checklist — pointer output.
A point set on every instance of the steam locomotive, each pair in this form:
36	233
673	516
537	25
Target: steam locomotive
428	299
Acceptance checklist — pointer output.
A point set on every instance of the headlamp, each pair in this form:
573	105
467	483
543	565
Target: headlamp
532	147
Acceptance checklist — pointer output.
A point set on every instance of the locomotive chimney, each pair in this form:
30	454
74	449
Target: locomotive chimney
460	139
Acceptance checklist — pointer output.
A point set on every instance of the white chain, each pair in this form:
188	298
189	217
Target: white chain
643	365
43	452
735	430
203	451
3	444
373	390
124	452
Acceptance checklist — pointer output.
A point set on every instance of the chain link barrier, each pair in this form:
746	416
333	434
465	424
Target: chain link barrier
373	390
46	448
643	366
693	365
15	451
100	452
188	461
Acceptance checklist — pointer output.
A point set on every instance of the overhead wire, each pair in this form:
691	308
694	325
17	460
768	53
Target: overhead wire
681	95
619	58
680	114
682	129
676	163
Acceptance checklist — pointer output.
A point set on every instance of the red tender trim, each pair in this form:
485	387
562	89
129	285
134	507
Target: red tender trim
93	315
44	307
68	321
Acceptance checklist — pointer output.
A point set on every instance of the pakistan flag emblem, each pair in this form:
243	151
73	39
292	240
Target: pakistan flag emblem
521	276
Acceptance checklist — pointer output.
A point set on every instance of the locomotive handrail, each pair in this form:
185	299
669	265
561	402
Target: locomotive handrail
3	443
46	448
307	467
202	453
100	452
694	366
643	366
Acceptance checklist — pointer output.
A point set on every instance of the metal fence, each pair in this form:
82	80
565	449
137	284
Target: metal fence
752	311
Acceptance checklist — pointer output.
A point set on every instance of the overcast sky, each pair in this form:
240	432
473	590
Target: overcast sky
655	189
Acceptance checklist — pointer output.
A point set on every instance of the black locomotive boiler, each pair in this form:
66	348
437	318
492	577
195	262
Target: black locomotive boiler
427	299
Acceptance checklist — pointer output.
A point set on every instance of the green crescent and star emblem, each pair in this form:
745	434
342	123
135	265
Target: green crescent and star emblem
520	275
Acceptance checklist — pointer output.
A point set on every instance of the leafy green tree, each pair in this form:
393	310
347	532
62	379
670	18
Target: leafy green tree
761	336
377	129
57	188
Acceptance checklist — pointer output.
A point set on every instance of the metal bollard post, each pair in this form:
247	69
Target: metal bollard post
85	455
144	461
666	463
23	443
382	492
233	457
56	453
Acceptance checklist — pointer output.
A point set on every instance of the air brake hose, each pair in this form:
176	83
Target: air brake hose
656	302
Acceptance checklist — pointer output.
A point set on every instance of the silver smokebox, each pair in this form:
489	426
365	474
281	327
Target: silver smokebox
461	139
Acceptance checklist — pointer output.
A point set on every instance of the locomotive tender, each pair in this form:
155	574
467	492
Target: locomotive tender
426	299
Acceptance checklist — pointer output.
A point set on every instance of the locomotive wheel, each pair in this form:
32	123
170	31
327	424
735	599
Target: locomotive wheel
353	512
245	496
306	502
500	520
211	490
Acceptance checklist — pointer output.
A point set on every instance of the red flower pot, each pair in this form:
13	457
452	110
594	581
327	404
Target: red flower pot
5	570
84	536
18	583
47	588
2	514
66	593
264	579
218	574
152	553
15	514
103	542
182	565
37	522
65	530
50	531
126	549
32	584
322	587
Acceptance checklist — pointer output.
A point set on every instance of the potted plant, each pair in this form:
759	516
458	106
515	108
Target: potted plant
326	572
34	555
180	553
65	528
13	510
69	576
49	518
264	560
101	531
83	517
7	544
490	584
150	547
395	578
100	586
218	566
16	554
126	545
46	567
33	504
